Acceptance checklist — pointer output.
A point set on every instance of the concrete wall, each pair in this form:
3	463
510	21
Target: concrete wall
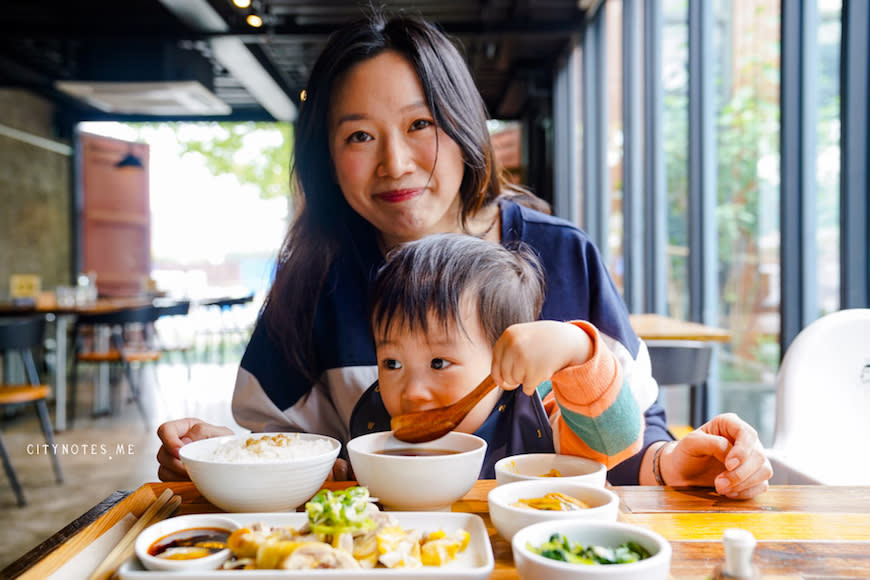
35	195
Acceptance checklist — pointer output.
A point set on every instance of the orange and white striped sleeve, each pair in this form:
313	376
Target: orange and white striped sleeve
592	409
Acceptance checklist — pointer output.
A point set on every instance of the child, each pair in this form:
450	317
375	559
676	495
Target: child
449	309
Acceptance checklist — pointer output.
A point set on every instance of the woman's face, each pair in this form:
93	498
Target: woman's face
393	165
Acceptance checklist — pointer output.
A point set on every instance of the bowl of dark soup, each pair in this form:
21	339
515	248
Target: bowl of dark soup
420	477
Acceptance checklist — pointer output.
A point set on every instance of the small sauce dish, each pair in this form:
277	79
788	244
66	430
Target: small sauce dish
549	466
185	542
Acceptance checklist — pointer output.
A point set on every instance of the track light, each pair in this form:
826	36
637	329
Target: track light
254	20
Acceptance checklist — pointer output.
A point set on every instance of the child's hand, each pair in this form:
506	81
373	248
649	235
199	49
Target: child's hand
532	352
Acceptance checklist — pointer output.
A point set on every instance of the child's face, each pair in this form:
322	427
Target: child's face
419	371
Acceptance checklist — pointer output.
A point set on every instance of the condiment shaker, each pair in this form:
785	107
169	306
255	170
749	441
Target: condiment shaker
739	545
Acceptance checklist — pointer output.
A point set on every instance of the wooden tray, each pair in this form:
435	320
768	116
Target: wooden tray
49	556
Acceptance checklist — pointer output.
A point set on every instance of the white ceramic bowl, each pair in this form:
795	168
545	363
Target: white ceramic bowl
419	483
536	465
508	520
531	566
162	529
257	486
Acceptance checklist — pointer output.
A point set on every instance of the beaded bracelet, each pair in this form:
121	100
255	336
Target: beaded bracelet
657	464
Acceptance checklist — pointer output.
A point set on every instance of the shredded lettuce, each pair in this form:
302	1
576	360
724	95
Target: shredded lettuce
339	511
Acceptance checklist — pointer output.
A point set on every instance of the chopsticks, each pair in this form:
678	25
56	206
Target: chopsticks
160	509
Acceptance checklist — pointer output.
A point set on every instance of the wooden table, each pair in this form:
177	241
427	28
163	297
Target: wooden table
659	327
802	531
64	315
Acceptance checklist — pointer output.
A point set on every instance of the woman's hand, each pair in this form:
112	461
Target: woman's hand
724	453
176	434
530	353
341	471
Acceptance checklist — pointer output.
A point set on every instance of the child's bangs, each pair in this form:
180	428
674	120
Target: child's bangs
417	311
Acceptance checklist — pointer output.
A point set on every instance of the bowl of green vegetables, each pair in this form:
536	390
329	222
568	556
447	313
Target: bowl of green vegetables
586	549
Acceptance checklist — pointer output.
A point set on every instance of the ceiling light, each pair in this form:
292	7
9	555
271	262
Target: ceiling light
254	20
242	3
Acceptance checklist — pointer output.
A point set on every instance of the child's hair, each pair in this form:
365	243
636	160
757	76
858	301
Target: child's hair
430	277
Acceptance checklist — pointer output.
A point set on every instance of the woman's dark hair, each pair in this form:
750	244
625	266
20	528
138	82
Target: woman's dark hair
425	281
324	220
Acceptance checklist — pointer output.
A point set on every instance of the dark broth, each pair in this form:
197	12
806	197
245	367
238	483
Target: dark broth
209	540
416	452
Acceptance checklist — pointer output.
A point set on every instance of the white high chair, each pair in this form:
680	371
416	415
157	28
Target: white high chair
823	403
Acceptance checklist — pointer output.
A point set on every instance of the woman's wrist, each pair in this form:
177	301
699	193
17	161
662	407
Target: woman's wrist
657	461
655	465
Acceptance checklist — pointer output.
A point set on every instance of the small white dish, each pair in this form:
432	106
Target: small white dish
532	566
509	519
538	465
157	532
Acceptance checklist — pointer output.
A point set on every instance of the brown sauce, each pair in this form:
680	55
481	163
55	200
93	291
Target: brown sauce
416	452
190	543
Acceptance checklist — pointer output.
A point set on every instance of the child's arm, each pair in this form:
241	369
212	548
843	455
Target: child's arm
592	410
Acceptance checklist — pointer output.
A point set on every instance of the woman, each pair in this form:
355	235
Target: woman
391	145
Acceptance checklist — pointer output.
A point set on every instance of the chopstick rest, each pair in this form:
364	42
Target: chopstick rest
160	509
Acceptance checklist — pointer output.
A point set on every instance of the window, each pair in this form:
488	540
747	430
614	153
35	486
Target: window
675	128
827	101
615	153
747	87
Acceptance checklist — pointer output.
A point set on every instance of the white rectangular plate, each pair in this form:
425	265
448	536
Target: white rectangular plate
475	563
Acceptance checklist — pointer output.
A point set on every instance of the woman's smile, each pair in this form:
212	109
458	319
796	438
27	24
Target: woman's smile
399	195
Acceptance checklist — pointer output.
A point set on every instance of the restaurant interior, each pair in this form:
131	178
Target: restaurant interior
715	152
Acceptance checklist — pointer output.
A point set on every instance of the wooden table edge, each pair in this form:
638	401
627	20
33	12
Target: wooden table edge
51	554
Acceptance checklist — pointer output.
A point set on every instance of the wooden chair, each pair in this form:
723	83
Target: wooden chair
22	335
125	350
684	362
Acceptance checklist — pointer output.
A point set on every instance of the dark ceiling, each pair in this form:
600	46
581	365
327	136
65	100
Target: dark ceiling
511	45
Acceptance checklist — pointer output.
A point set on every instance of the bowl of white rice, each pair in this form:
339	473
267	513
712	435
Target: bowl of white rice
260	472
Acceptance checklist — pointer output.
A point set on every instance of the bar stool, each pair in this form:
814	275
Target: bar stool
22	335
122	351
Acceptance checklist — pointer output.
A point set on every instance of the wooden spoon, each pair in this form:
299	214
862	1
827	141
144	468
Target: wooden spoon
429	425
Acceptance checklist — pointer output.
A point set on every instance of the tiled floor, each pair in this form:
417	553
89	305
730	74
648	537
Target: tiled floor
100	455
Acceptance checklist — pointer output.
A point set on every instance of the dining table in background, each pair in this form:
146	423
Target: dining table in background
225	325
65	314
651	327
805	532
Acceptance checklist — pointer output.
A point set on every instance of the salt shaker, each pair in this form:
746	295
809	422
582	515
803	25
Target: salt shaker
739	545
